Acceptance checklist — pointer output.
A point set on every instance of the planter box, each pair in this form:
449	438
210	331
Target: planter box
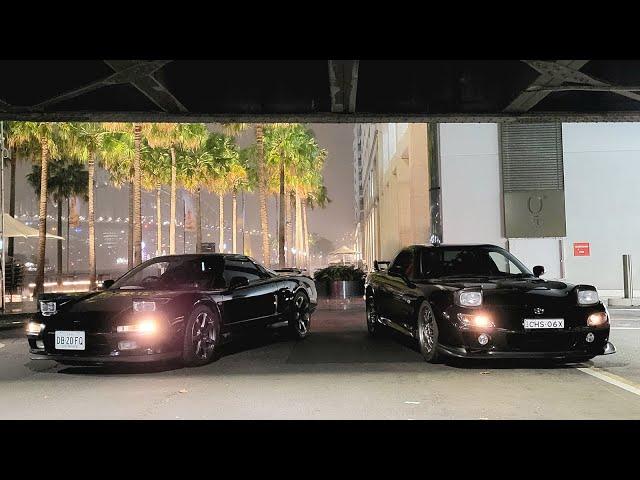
346	289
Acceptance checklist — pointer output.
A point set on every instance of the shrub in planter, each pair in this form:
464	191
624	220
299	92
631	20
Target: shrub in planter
335	274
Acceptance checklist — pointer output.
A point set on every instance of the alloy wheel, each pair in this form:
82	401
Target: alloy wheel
203	335
302	315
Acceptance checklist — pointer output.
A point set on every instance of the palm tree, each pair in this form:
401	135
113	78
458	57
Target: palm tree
66	179
262	174
174	136
118	156
156	170
87	142
47	137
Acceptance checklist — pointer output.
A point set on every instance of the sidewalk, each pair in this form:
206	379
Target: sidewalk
16	314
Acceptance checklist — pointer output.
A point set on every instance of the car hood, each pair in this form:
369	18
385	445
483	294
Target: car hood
518	291
114	301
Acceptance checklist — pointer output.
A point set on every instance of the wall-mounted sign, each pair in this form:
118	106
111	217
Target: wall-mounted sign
581	249
534	214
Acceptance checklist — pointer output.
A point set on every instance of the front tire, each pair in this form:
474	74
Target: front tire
373	324
428	334
201	337
300	317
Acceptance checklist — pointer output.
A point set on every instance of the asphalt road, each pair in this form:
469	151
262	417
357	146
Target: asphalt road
338	372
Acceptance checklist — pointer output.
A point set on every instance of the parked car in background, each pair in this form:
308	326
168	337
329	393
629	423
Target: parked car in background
479	301
176	307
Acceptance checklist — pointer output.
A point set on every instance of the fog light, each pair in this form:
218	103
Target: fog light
480	320
39	344
590	337
483	339
34	328
127	345
144	326
597	319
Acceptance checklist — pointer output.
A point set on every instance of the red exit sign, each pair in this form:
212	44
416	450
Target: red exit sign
581	249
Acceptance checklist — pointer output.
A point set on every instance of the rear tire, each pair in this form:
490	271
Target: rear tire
428	334
300	316
201	337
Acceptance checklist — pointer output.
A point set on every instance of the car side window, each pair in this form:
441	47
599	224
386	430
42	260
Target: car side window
238	267
403	264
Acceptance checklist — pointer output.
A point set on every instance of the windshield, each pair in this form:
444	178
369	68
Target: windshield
175	273
470	262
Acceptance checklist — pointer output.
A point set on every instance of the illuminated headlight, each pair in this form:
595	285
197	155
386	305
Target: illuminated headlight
469	298
588	297
47	308
144	306
480	321
145	326
597	319
34	328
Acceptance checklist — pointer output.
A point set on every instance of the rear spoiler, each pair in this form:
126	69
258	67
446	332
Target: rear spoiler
377	265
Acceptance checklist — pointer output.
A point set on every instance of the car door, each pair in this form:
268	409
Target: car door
252	304
399	291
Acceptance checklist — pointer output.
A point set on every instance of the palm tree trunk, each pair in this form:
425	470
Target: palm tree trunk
68	230
198	222
12	199
59	246
262	194
130	239
282	221
158	220
42	220
291	204
221	221
92	225
137	197
298	231
234	221
305	235
172	213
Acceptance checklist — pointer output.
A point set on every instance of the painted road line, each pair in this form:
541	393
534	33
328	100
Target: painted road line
2	345
612	379
625	328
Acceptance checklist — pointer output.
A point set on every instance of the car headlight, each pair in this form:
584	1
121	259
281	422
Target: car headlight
47	308
588	297
469	298
34	328
144	326
597	319
480	320
144	306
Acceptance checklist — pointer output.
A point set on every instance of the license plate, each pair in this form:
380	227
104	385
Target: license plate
534	323
69	340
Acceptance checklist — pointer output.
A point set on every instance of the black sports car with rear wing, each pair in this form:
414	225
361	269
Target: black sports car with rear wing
172	307
479	301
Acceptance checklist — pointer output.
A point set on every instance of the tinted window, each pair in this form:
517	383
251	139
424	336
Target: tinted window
239	267
469	261
179	273
403	264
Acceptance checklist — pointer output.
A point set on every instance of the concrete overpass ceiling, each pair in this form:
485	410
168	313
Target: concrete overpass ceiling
321	90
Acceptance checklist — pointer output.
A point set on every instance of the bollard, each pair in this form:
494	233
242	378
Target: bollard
627	276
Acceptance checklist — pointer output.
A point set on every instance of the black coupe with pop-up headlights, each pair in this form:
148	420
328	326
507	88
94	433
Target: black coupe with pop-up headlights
479	301
177	307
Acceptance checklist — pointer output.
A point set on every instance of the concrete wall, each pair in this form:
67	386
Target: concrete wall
470	180
602	183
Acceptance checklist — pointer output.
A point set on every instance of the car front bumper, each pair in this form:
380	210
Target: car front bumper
461	352
79	359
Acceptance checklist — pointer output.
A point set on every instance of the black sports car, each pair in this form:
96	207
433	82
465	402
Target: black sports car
479	301
173	307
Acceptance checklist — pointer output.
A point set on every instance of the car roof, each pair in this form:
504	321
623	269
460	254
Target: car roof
200	255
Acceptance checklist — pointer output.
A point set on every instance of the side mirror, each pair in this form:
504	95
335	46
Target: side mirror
107	284
538	270
237	282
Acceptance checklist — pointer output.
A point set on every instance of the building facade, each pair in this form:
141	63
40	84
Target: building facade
595	166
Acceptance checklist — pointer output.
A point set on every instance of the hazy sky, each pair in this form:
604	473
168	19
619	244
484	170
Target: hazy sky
333	222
